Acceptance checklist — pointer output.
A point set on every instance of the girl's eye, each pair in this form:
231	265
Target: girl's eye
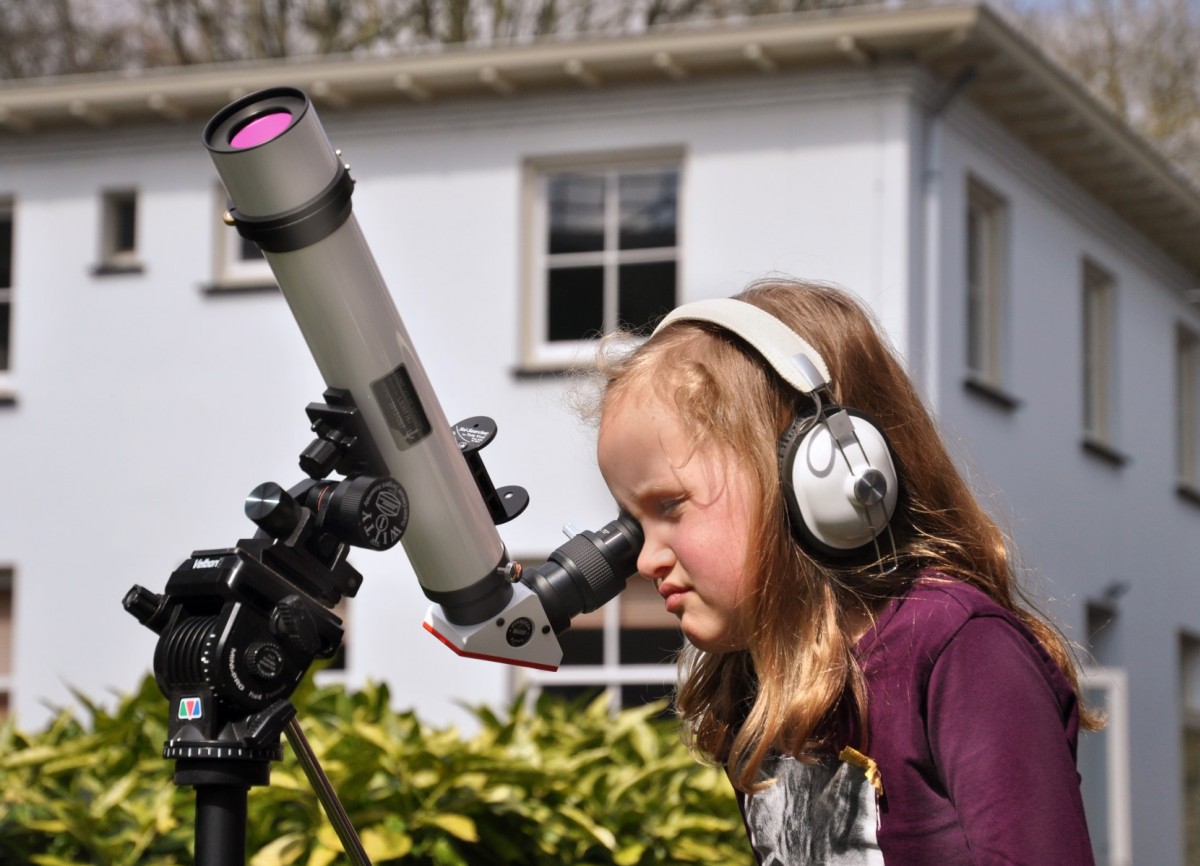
669	506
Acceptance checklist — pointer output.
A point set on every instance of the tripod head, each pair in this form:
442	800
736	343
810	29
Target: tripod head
239	627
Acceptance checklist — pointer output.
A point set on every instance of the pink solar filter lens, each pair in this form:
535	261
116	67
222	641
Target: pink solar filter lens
261	129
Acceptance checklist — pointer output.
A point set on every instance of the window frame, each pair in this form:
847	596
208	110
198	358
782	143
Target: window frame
538	353
610	676
1113	683
985	286
116	257
8	214
231	271
1098	360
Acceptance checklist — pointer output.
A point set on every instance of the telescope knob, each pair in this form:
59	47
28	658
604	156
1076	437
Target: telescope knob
273	510
367	511
294	624
265	660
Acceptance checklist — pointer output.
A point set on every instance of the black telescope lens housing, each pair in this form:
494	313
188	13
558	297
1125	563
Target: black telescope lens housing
224	127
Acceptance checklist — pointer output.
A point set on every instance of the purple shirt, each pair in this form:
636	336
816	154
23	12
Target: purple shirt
973	728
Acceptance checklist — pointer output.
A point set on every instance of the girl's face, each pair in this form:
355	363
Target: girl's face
694	506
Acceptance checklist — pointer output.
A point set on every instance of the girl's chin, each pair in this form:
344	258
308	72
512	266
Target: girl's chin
711	642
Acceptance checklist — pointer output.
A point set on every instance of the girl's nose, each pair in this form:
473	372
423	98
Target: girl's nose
656	559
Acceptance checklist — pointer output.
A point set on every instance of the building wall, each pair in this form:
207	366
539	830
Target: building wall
148	408
1083	524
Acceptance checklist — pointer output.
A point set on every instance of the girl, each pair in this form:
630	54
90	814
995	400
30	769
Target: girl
859	657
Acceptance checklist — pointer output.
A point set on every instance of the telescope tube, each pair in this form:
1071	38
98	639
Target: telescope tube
290	193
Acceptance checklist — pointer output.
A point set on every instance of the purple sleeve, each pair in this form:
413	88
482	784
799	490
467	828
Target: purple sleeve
1002	724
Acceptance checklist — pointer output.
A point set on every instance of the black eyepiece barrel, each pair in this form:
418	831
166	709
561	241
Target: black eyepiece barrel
586	572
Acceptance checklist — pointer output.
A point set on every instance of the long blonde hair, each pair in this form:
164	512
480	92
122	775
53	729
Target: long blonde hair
799	671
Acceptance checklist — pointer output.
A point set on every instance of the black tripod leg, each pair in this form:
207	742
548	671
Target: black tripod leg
220	825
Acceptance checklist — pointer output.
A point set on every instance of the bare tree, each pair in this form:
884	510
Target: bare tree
1141	57
59	37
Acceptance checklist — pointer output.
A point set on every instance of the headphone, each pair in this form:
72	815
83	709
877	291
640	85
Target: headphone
840	484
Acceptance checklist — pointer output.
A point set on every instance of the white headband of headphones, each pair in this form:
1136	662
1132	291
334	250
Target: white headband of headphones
793	358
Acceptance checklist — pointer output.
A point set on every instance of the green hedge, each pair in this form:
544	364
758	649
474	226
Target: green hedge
557	784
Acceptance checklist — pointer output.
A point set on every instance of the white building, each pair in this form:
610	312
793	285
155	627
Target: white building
1032	259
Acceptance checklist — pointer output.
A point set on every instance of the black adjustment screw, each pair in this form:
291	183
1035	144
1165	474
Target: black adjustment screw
292	621
142	603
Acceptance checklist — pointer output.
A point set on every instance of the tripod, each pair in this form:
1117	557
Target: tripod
239	628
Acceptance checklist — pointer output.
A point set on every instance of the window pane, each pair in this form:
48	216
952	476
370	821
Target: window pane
976	303
1191	794
576	205
581	696
576	303
640	695
1187	408
6	245
1093	763
124	224
648	210
5	322
249	251
6	622
650	646
582	646
646	294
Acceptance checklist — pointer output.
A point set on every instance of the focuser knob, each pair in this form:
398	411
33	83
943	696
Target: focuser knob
366	511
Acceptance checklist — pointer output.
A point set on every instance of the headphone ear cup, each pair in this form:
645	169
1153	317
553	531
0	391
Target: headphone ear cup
839	500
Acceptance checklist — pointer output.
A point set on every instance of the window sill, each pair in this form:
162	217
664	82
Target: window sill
1188	492
991	393
1104	451
229	289
113	269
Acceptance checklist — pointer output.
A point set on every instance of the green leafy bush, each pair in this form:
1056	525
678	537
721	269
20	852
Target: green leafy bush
556	784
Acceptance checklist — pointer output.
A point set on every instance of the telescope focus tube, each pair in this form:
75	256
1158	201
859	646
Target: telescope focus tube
290	193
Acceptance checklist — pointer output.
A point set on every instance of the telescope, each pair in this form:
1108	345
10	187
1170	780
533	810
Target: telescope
239	627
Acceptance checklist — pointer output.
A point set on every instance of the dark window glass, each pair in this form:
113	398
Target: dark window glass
650	646
576	310
124	214
646	293
582	646
6	250
648	210
648	693
576	213
579	695
249	250
5	320
975	288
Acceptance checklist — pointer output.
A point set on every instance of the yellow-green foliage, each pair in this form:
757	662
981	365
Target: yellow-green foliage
556	784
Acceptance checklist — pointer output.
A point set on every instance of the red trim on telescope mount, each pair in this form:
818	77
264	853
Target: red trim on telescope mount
486	658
